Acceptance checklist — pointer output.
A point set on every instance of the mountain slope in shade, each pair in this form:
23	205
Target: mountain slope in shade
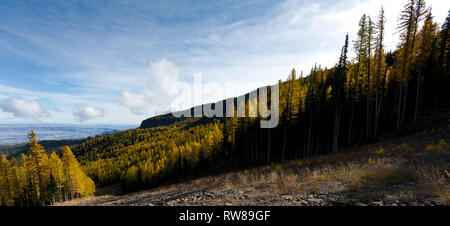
170	119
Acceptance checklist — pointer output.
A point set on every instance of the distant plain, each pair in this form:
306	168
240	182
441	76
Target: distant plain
17	133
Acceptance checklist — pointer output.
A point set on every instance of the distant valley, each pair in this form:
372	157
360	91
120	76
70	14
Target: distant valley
17	133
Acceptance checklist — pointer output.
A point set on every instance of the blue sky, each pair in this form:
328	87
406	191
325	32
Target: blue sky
113	62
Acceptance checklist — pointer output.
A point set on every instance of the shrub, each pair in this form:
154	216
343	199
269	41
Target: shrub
438	148
299	163
382	194
278	168
380	151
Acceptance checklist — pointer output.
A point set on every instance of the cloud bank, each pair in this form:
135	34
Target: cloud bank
84	113
159	91
29	109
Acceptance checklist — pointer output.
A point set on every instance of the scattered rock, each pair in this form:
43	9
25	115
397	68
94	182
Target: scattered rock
378	203
348	202
302	202
314	200
360	204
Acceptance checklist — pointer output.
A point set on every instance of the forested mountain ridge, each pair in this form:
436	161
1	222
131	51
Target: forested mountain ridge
160	120
357	101
169	118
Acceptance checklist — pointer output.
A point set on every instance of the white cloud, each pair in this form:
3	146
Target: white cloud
84	113
163	74
160	91
136	103
23	108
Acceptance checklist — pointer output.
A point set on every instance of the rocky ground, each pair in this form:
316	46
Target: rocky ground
247	196
406	171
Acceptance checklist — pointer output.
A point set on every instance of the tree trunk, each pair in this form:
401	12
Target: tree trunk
349	138
349	141
405	97
269	146
284	144
416	110
399	111
336	130
380	103
368	98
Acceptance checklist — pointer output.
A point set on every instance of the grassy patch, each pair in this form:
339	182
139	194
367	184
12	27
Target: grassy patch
387	176
435	181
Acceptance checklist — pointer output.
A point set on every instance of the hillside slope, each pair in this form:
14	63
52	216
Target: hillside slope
170	119
411	170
